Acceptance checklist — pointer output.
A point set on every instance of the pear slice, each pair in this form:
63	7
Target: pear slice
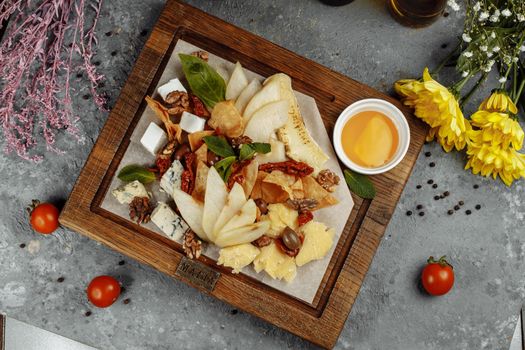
244	234
237	83
277	154
214	200
245	216
235	201
266	120
270	92
246	95
191	211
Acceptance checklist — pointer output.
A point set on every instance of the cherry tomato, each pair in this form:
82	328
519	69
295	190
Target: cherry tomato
437	276
103	291
44	218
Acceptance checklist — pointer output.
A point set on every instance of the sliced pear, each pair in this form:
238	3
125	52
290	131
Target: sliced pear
277	154
267	120
214	200
191	211
247	94
242	235
235	201
244	217
238	256
237	83
270	92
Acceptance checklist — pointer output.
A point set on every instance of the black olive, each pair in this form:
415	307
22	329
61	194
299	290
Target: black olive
182	150
291	239
262	205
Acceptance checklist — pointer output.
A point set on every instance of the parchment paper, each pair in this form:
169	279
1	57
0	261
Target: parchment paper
309	276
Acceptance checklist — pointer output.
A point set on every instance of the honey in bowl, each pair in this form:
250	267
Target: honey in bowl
370	139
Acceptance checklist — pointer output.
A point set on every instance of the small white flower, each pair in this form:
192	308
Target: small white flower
502	79
493	35
468	54
483	16
522	48
487	69
515	59
453	5
497	13
521	17
466	38
477	6
490	63
496	49
494	18
506	13
489	54
483	48
464	74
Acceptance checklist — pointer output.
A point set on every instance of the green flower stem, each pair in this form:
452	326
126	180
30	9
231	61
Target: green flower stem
516	98
469	94
502	85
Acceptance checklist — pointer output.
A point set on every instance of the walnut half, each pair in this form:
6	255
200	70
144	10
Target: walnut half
328	180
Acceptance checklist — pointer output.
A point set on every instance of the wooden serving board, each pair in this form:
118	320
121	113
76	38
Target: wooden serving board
319	322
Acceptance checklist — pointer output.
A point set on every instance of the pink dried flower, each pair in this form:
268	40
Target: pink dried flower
35	69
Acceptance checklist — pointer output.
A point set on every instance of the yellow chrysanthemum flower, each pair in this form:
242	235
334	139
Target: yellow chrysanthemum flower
488	159
436	106
499	101
498	129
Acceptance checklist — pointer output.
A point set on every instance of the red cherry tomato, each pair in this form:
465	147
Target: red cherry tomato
103	291
44	218
437	276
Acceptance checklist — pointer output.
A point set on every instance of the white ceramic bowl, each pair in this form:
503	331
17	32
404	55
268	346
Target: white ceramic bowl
389	110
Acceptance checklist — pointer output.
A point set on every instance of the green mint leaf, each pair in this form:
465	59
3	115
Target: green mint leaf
134	172
249	150
204	81
219	146
224	167
360	184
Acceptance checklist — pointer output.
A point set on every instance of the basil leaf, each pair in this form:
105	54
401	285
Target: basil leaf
204	81
219	146
249	150
360	184
134	172
224	167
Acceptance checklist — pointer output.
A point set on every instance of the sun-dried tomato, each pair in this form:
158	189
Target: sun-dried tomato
304	217
162	164
236	174
290	167
188	175
198	107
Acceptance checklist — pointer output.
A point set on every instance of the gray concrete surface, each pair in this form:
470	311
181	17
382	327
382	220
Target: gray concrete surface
360	40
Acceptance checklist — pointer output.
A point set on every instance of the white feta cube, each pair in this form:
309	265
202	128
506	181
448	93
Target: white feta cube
154	138
191	123
172	85
125	193
168	221
171	179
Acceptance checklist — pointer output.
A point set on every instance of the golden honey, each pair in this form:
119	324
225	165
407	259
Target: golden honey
370	139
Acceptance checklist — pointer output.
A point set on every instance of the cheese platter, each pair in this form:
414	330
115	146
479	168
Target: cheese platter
215	186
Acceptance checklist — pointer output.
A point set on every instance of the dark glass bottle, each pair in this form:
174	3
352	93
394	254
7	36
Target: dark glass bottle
336	2
416	13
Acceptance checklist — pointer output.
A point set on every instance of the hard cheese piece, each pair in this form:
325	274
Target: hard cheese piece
170	86
154	138
317	242
172	178
191	123
168	221
237	256
125	193
275	263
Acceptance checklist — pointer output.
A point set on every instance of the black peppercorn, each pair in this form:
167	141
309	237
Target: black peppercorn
456	207
23	245
409	213
126	301
419	207
468	212
428	154
476	186
418	187
446	193
421	213
450	212
478	207
88	313
436	198
430	182
461	203
435	186
60	279
121	262
432	164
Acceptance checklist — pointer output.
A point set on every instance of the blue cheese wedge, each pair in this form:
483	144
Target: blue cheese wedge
171	179
191	123
170	86
125	193
154	138
169	222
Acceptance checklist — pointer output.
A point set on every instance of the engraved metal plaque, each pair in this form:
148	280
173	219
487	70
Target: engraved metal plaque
198	273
